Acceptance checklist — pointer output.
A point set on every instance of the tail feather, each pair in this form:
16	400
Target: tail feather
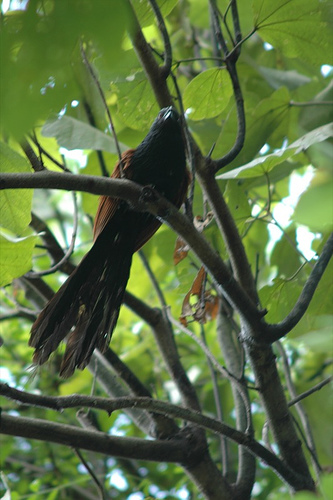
87	305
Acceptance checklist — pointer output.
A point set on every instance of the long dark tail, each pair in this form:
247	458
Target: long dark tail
87	305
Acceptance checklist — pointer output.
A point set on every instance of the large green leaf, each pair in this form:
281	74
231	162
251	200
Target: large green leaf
279	298
266	163
278	78
315	206
145	13
74	134
299	29
270	117
136	102
36	49
285	256
208	94
238	203
319	338
15	204
16	257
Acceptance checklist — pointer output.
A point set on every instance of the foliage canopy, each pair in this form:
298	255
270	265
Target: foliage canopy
254	80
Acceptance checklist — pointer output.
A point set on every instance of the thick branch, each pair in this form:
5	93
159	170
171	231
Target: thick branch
55	180
161	208
59	403
68	435
275	332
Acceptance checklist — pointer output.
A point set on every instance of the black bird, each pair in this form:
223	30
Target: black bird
86	307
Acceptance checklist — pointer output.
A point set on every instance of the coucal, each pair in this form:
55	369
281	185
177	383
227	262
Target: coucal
86	307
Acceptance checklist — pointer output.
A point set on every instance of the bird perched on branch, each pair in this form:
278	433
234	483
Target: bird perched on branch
86	307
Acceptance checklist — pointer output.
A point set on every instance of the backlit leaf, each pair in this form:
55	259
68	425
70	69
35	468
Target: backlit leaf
297	28
15	204
207	94
74	134
16	257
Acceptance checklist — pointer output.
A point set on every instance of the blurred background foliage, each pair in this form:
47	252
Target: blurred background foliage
281	201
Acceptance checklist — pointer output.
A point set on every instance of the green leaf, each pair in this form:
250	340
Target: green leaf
269	118
16	257
279	299
145	14
15	204
319	338
136	102
37	46
284	256
238	203
277	78
207	94
315	207
266	163
74	134
299	29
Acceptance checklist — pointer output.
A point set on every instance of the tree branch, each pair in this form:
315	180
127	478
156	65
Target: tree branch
114	445
35	162
308	393
166	343
53	247
221	369
136	195
62	263
100	442
308	437
166	40
231	67
233	355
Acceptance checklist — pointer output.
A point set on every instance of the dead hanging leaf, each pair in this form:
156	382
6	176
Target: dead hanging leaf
181	247
205	308
181	250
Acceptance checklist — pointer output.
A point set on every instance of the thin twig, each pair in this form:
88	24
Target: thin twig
35	162
311	103
68	253
100	489
166	40
218	406
195	59
231	67
224	372
45	153
152	278
308	438
95	79
308	393
99	152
